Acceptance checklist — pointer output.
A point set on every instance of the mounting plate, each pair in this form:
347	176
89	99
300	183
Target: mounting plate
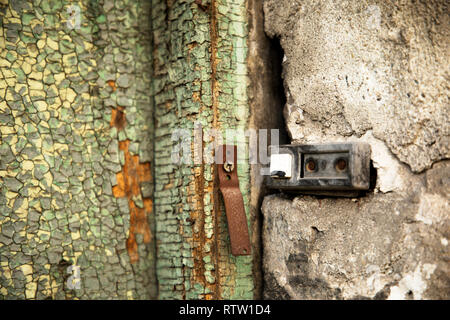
320	168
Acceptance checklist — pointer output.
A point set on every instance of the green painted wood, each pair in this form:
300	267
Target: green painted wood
200	51
59	153
86	176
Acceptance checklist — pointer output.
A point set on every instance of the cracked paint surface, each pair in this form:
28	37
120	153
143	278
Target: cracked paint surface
200	78
62	165
86	176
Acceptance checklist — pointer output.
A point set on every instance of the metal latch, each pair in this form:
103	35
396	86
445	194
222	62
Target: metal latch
320	168
234	202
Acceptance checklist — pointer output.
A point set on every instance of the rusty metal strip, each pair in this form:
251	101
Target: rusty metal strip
234	202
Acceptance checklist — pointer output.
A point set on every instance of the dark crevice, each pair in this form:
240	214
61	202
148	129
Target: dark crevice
267	100
276	65
373	177
372	181
274	62
409	295
273	59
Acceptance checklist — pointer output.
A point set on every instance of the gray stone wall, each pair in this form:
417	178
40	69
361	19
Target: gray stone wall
373	71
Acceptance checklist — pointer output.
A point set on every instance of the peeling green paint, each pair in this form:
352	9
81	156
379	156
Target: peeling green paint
195	60
55	110
169	64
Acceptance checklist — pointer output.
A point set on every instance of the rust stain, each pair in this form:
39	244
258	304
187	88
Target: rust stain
201	187
203	7
209	296
168	186
214	185
196	96
192	45
133	173
199	237
112	84
118	119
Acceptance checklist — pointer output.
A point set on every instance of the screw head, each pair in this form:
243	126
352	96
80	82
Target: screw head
228	166
341	165
310	165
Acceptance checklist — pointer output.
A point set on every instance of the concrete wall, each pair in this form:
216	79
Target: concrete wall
374	71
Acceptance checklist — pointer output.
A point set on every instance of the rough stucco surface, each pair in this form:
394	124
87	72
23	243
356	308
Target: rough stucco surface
381	246
74	113
354	66
374	72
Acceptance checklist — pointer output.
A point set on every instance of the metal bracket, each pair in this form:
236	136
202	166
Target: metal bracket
324	169
234	202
